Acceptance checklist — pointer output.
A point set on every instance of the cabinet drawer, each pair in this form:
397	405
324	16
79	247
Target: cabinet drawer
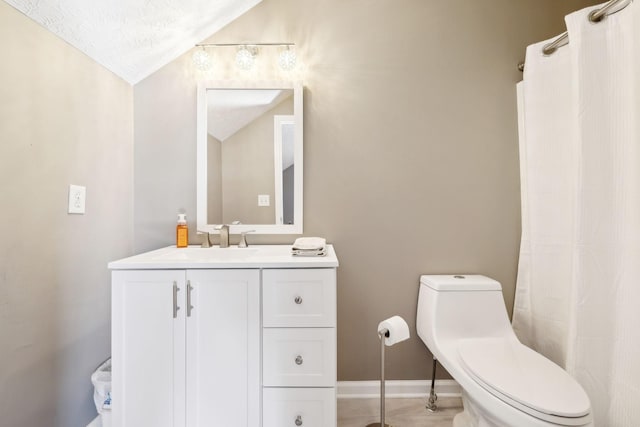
298	357
299	298
293	407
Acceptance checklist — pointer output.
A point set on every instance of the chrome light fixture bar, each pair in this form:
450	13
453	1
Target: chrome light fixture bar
246	54
242	44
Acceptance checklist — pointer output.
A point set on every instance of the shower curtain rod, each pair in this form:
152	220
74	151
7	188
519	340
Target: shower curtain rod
595	16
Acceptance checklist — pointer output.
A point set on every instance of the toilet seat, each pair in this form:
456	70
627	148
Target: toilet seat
524	379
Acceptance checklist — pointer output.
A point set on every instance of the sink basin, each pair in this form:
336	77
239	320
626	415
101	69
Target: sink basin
207	254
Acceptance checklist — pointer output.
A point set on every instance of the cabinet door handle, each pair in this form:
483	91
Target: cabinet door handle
189	306
298	300
299	420
299	360
175	299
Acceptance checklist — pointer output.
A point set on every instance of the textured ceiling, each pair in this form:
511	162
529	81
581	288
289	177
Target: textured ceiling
133	38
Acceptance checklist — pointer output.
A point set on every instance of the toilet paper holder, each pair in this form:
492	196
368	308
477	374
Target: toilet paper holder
402	329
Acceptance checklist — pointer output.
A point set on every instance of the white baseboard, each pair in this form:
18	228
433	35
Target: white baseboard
396	389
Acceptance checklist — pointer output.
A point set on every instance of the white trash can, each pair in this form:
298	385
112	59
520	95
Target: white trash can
101	380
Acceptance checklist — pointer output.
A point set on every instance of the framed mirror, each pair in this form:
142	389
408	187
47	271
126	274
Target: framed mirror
249	157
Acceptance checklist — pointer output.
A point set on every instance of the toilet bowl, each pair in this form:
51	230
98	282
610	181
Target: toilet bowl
463	321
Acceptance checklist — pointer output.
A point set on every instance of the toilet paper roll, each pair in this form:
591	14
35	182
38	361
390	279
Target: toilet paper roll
398	330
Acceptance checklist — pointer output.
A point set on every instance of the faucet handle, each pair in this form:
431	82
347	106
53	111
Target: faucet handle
207	239
243	239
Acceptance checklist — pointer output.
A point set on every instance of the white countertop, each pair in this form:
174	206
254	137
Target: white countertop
255	256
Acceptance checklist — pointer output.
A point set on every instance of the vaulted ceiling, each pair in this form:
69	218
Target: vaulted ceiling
133	38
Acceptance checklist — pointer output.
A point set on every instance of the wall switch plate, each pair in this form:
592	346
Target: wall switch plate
77	196
263	200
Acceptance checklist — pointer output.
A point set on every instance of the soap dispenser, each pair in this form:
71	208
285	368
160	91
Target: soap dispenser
182	232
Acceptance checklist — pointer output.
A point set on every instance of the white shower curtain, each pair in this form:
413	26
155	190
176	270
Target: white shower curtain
578	291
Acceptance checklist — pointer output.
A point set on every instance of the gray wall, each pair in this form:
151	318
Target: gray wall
411	149
63	120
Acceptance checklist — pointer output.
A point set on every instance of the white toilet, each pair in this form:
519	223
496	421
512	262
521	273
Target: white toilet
463	321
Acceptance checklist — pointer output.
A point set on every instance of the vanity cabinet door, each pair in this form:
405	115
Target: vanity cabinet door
223	348
148	339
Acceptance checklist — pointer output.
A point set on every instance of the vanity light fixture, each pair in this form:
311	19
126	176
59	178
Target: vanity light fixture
246	55
287	59
202	60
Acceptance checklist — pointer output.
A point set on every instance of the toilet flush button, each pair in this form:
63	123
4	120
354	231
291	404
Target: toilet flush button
459	277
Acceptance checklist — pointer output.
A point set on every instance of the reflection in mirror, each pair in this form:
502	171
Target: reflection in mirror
250	157
242	129
284	166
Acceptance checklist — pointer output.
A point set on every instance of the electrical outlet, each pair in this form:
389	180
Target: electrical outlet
77	196
263	200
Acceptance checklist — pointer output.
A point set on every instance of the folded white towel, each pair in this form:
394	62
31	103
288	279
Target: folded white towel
309	243
307	252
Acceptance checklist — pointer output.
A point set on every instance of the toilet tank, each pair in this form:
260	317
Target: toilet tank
452	307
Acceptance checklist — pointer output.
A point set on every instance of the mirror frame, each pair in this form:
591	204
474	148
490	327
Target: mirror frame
201	158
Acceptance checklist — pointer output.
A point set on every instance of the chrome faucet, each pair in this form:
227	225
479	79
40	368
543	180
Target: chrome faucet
224	235
243	239
207	239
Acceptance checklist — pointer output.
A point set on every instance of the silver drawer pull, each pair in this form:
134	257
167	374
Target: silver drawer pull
299	360
299	420
298	300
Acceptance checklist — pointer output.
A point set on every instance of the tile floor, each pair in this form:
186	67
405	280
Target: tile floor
398	412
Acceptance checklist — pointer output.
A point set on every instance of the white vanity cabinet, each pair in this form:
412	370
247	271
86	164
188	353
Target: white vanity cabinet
186	346
247	339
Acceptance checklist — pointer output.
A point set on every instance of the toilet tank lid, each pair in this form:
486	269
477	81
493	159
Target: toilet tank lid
459	282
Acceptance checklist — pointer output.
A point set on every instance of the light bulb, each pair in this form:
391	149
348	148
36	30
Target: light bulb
245	59
287	59
202	60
